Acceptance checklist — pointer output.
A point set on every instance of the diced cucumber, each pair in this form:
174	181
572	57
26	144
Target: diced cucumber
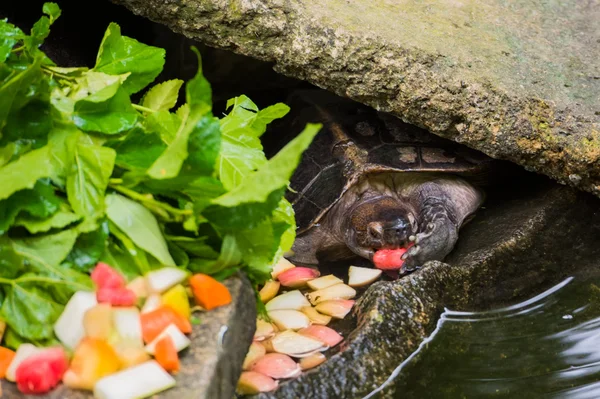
141	381
128	324
179	339
23	352
162	279
69	326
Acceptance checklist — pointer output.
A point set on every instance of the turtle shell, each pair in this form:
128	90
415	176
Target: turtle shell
357	140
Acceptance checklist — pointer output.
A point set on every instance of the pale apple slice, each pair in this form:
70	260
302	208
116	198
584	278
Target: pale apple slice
296	345
280	267
289	319
327	335
338	291
337	308
277	365
316	317
324	282
361	276
269	291
297	277
290	300
312	361
252	383
255	352
264	330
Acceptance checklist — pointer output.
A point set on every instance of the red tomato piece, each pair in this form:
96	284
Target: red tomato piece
105	276
116	296
389	259
41	372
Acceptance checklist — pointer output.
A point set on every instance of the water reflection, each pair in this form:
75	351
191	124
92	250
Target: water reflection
545	347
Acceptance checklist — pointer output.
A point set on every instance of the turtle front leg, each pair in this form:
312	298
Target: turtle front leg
444	204
436	240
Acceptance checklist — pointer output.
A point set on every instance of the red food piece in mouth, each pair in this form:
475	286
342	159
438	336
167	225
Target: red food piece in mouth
389	259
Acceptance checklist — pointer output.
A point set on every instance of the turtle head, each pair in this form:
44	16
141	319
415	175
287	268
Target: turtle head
381	222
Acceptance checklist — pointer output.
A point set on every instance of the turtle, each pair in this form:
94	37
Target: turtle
369	181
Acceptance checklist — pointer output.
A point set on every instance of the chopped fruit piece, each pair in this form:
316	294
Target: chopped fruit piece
297	277
316	317
337	308
179	340
208	292
290	300
361	276
328	336
268	292
264	330
69	328
277	365
312	361
389	259
93	360
153	302
128	324
324	282
98	321
42	371
141	381
251	383
294	344
105	276
155	322
289	319
23	352
338	291
281	267
177	298
6	358
166	354
139	286
116	296
162	279
255	352
130	355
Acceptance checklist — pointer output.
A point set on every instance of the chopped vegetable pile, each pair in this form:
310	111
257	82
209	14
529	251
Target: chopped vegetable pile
297	326
104	201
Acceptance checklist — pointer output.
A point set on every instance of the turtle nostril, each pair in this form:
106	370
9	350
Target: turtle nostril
375	231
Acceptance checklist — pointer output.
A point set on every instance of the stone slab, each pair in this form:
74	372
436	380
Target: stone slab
211	366
518	80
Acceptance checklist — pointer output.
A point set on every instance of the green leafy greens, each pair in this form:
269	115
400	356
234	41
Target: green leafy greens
86	176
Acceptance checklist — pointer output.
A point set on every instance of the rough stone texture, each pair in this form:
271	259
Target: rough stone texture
211	366
517	80
510	251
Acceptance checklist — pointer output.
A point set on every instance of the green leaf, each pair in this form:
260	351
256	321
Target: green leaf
121	54
163	96
195	247
245	206
198	94
29	311
52	10
63	218
17	88
89	248
285	214
121	260
229	256
9	36
241	151
111	116
39	202
30	123
62	142
20	174
165	124
10	262
138	149
260	245
92	166
140	225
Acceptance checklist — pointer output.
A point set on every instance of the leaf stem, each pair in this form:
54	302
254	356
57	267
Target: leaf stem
148	199
143	109
58	74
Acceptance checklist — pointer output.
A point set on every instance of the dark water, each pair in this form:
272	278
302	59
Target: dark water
545	347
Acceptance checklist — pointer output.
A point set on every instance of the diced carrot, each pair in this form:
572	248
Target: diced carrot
166	354
154	322
208	292
6	357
